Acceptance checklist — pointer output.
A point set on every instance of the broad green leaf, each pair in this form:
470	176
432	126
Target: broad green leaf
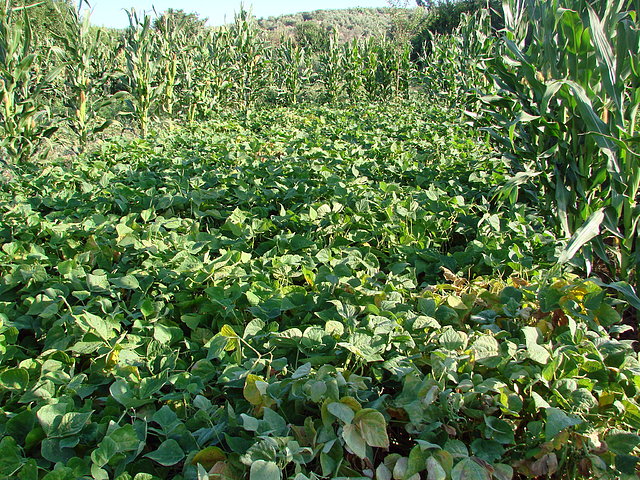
105	451
452	340
302	371
128	282
354	440
101	326
499	430
166	418
341	411
623	443
502	471
10	457
435	470
97	283
122	393
486	346
70	424
14	379
162	333
276	423
125	438
417	461
557	421
535	352
383	472
627	464
216	347
469	469
168	453
49	416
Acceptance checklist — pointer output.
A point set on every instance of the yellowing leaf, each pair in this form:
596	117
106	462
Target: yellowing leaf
112	358
253	390
373	427
229	332
222	471
351	402
209	457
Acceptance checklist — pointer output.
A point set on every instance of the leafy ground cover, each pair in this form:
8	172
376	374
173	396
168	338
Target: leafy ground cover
304	292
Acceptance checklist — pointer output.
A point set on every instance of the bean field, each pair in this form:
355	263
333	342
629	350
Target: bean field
224	257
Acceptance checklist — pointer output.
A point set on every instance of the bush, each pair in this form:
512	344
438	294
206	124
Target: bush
443	19
312	36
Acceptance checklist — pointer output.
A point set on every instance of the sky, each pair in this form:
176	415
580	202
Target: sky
110	13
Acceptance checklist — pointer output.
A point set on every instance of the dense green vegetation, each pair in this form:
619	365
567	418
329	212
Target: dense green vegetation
349	23
299	261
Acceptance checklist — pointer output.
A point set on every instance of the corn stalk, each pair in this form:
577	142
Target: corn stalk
353	69
293	70
84	95
567	83
251	69
25	120
332	68
141	52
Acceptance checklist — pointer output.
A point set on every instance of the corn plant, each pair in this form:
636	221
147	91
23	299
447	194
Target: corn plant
195	81
332	68
476	40
441	72
25	119
352	69
107	63
141	51
405	72
370	68
293	70
567	84
220	69
172	41
251	69
84	96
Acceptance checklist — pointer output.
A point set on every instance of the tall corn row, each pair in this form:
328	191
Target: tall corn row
25	119
353	69
195	78
476	41
333	69
84	96
404	72
107	63
251	69
369	49
220	67
567	78
292	70
442	70
174	54
142	69
387	71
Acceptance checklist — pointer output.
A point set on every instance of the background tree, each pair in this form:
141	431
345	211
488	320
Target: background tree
312	36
